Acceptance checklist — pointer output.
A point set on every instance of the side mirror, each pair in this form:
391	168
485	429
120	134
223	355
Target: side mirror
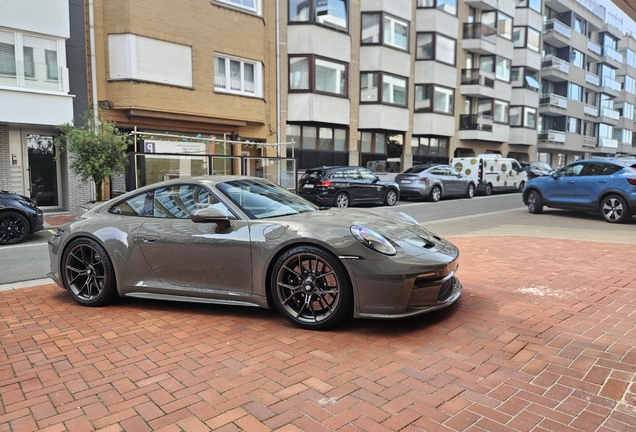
210	215
554	174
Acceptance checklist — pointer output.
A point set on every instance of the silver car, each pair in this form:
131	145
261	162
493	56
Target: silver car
434	182
246	241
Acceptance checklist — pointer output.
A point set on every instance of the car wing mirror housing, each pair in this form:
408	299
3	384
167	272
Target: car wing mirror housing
211	215
554	174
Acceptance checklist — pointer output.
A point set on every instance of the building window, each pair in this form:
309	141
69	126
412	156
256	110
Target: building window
239	76
434	98
329	13
516	116
577	58
532	4
250	5
391	31
575	92
393	88
499	65
317	138
629	84
627	111
574	125
580	25
525	77
317	75
434	46
133	57
448	6
372	142
501	111
7	53
429	146
526	37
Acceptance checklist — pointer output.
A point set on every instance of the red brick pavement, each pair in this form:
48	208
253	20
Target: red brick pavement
543	338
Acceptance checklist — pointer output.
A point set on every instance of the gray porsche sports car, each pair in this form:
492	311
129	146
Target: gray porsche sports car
246	241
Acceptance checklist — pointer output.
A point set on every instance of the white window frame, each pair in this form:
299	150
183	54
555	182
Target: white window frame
258	76
393	21
257	9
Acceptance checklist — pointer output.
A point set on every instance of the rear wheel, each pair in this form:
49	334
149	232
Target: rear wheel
470	191
310	287
436	194
87	273
535	202
342	200
615	209
522	185
488	189
390	198
13	228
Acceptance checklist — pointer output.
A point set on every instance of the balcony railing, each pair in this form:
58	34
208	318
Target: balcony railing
554	100
611	83
594	47
557	26
613	20
40	76
479	122
610	113
480	31
589	141
552	136
477	77
608	142
555	63
590	110
613	54
593	7
592	79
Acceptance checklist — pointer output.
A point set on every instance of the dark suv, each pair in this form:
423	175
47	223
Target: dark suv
19	216
345	186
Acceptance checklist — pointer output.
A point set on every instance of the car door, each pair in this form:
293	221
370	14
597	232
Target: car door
195	257
456	181
354	185
561	188
593	181
371	190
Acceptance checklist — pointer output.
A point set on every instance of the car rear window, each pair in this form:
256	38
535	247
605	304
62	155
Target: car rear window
415	169
313	175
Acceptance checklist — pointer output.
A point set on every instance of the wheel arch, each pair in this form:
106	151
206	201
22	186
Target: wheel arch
21	212
610	192
85	235
526	192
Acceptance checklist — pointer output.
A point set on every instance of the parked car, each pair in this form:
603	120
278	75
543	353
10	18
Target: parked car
345	186
434	182
234	240
605	186
19	217
536	169
492	172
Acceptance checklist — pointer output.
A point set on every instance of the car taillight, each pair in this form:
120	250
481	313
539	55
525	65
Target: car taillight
324	183
423	179
632	181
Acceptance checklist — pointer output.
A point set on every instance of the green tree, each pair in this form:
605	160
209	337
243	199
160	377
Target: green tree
98	150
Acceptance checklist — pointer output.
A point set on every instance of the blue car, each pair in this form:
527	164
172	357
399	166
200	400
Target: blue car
605	186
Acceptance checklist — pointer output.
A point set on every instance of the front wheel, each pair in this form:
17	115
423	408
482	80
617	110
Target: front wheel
310	288
390	198
87	273
535	202
470	191
13	228
615	209
342	200
436	194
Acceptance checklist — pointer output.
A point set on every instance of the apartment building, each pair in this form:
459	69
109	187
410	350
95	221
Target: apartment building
36	95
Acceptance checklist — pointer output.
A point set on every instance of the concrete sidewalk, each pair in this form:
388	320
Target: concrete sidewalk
542	338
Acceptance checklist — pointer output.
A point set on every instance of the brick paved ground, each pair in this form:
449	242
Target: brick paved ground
543	338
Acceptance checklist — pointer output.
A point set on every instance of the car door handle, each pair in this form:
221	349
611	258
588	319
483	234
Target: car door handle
570	182
149	239
602	181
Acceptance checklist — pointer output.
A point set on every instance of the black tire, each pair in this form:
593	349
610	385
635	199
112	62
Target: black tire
488	189
535	202
615	209
470	191
522	186
87	273
341	200
13	228
391	197
436	194
311	288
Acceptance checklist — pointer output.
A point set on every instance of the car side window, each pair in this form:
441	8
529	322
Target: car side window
439	171
453	172
352	174
366	174
571	170
178	202
139	205
337	175
601	168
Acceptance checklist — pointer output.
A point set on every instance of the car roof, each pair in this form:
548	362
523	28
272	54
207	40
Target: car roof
333	168
618	161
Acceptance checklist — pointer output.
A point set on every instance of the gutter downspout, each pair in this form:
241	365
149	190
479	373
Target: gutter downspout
91	32
277	77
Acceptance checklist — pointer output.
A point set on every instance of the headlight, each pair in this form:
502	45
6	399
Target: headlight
27	203
410	218
58	233
373	240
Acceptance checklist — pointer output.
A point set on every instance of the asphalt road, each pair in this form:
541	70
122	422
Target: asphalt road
495	215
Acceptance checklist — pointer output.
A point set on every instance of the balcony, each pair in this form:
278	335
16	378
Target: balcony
479	38
36	76
593	47
589	141
610	86
477	83
607	143
590	110
610	113
551	136
483	4
555	69
553	100
556	33
590	78
478	122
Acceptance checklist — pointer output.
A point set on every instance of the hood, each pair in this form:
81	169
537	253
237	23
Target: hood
13	196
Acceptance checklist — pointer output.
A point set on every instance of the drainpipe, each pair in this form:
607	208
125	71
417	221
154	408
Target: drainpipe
278	77
91	32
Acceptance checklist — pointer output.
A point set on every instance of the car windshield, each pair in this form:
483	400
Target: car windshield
541	166
261	199
416	169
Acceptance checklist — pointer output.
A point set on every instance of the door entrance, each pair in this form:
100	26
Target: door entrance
42	170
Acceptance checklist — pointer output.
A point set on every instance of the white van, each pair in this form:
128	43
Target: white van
492	172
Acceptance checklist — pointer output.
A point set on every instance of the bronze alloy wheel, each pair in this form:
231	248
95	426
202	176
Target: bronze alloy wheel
88	273
310	288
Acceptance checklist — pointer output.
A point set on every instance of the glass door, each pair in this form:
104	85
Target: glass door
42	170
